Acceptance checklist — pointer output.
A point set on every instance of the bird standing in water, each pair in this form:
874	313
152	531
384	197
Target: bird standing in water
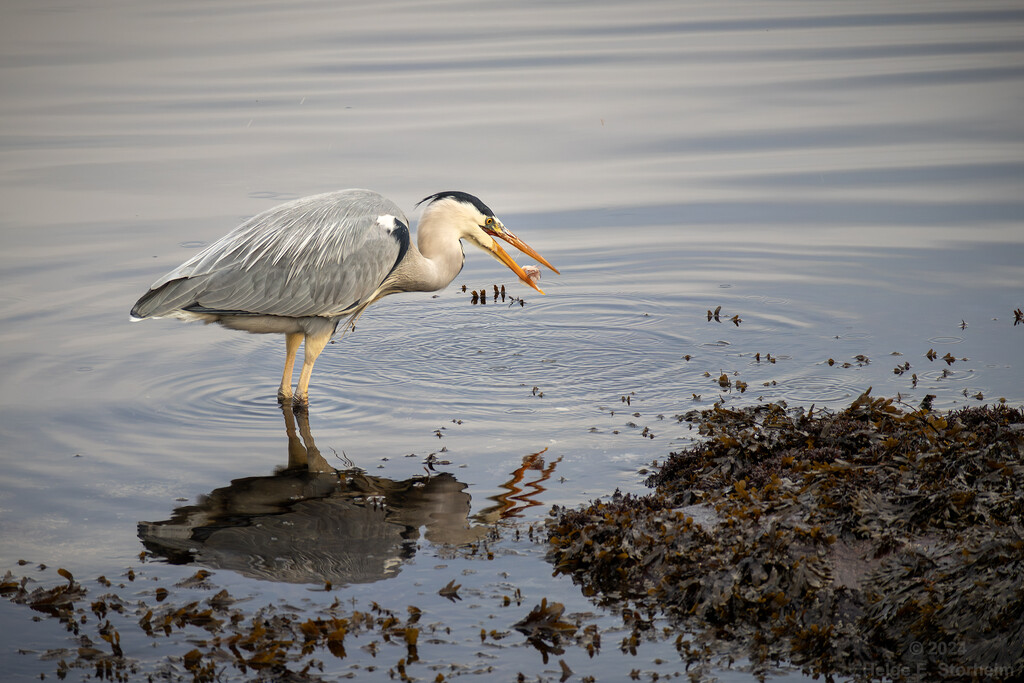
301	268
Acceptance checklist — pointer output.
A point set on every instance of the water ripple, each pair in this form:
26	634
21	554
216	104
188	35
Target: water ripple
946	340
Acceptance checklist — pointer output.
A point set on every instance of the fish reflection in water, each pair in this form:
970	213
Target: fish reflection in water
312	523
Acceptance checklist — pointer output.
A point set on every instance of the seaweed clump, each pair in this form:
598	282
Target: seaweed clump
270	643
877	542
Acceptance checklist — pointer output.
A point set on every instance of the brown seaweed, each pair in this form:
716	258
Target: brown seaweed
881	541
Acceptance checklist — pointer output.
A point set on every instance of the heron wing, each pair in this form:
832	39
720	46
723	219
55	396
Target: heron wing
317	256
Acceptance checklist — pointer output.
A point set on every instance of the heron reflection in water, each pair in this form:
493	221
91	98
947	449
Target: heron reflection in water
301	268
311	523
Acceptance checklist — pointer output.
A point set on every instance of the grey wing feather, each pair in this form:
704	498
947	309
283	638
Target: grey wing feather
316	256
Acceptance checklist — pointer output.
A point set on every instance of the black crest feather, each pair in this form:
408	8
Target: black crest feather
463	197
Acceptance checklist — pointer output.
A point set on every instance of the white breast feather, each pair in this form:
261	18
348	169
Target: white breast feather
387	221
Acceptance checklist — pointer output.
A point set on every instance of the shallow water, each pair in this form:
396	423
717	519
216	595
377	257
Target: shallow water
847	178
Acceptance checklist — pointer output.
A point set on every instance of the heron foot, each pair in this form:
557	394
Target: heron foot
300	403
284	396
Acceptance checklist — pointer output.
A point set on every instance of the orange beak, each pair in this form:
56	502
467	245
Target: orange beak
504	233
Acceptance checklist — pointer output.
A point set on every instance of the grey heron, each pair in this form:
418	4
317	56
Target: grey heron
302	267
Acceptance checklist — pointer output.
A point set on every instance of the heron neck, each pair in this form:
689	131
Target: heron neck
439	257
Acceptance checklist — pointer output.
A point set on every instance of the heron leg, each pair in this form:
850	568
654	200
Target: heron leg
315	343
291	342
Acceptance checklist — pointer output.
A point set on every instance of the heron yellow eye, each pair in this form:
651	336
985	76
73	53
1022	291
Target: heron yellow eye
490	222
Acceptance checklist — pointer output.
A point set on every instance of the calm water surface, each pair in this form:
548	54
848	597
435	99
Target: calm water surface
847	178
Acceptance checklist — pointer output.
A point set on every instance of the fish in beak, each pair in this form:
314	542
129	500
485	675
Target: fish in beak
501	232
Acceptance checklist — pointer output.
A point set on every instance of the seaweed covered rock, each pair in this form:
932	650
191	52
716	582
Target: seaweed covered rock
877	542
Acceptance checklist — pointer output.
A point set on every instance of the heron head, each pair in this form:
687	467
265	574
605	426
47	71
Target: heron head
474	221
